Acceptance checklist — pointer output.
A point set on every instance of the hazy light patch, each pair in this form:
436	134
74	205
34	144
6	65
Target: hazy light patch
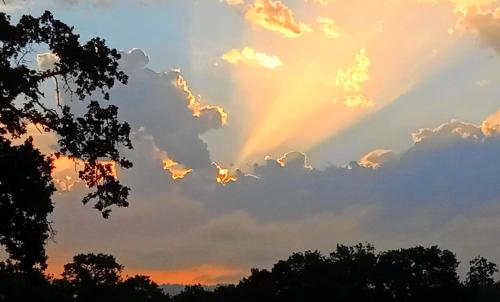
482	83
251	57
323	2
352	79
329	27
234	2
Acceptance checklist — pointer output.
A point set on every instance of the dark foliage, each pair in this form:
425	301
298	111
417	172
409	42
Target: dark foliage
25	201
358	273
350	273
85	72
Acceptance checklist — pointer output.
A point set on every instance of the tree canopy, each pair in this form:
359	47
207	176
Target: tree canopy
349	273
84	72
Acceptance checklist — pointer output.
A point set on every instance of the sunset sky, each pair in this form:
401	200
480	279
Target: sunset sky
265	127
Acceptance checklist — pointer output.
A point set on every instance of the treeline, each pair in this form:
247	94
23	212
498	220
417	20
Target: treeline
350	273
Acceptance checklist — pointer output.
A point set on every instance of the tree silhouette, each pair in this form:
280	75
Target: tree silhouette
354	273
481	272
25	191
140	289
193	293
349	273
85	72
417	274
90	276
98	277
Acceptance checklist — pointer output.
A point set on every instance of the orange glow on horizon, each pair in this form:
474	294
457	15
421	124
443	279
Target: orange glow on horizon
203	274
207	274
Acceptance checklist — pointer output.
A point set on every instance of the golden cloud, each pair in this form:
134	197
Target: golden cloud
251	57
194	103
329	27
177	171
224	176
275	16
376	158
491	126
462	5
352	79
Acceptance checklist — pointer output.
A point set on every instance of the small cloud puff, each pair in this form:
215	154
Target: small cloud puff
275	16
250	56
491	126
376	158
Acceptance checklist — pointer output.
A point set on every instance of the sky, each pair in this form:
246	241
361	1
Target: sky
266	127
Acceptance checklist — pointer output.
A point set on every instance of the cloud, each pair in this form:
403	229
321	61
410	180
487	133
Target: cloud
491	126
97	3
376	159
199	110
329	27
12	6
448	131
275	16
46	61
251	57
444	185
426	174
176	117
352	79
482	83
176	170
294	160
224	176
486	24
135	59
